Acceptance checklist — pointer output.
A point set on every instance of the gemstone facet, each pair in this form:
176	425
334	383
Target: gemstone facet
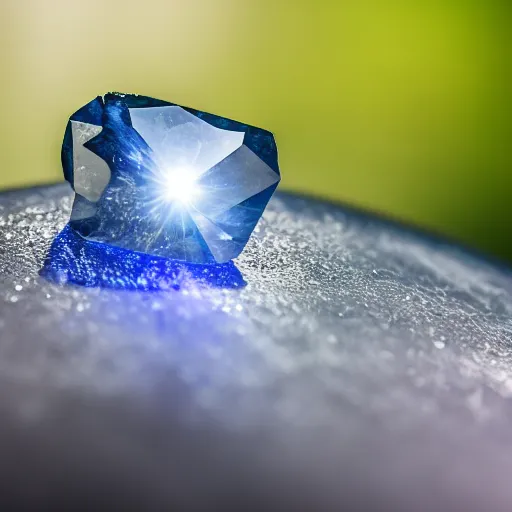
166	180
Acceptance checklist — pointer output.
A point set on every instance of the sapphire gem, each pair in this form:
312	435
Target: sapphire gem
158	178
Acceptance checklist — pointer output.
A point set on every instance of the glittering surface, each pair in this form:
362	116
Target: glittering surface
362	364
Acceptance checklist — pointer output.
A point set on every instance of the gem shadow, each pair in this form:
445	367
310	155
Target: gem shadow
72	259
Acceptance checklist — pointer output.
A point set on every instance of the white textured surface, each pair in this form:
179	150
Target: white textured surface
363	366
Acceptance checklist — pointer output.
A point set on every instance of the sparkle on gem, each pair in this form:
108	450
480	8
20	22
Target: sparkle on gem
166	180
179	185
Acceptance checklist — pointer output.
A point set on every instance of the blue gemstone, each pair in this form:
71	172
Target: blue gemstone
165	180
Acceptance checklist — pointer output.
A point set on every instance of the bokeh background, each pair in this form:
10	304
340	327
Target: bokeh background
402	107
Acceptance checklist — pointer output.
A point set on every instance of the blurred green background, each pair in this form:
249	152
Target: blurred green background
402	107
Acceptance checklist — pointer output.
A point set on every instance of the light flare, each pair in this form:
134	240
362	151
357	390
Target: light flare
179	185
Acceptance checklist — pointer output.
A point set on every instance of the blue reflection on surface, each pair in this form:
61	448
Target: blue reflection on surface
74	260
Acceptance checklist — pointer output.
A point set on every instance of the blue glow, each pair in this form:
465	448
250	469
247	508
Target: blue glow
75	260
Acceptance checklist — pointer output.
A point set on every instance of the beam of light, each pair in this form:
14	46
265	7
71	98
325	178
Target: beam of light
174	192
179	184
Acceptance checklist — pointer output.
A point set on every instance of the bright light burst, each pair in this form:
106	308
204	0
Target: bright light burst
180	185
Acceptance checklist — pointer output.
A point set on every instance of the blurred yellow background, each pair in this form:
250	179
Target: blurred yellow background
402	107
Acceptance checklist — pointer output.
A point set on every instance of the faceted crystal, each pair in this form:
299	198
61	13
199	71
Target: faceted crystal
166	180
